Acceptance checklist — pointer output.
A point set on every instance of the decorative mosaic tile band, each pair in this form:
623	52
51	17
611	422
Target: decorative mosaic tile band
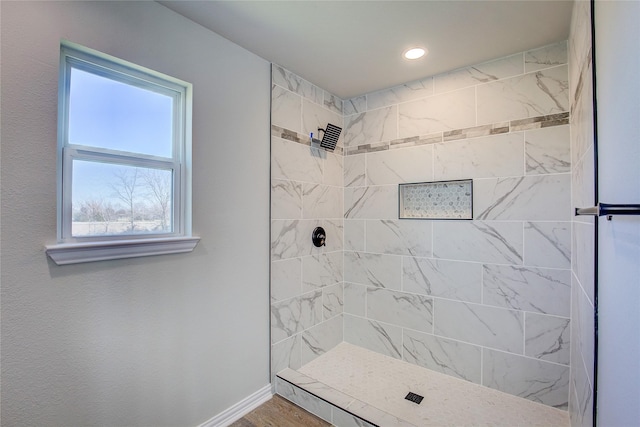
540	122
416	140
290	135
472	132
369	148
452	135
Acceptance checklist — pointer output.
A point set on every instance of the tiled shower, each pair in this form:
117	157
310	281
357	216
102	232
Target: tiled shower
493	300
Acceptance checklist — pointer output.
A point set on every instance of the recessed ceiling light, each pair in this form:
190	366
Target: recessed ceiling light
414	53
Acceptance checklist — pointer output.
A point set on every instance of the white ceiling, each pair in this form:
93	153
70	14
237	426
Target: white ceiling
350	48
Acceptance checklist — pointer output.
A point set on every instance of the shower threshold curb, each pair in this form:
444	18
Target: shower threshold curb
330	404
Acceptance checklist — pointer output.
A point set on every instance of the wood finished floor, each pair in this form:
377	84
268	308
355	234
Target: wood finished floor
279	412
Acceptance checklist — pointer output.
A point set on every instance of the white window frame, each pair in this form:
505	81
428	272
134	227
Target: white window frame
70	249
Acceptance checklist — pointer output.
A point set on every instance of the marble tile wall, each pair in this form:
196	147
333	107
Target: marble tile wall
581	396
307	290
487	300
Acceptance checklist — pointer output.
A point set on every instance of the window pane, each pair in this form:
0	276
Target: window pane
110	199
106	113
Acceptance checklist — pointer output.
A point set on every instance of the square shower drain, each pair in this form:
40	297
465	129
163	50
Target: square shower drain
415	398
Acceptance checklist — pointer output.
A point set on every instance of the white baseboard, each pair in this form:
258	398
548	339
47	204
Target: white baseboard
240	409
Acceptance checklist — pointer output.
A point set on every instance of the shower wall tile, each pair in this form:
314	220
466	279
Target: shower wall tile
546	57
399	237
402	93
374	202
530	95
332	300
582	411
321	338
286	354
286	199
316	116
355	297
287	240
579	43
335	233
306	192
291	316
441	278
539	381
292	238
498	155
547	244
582	330
286	79
535	197
582	133
581	360
285	108
333	173
321	270
583	184
580	385
354	171
451	110
399	166
322	201
414	289
583	228
583	253
574	419
286	277
371	127
354	233
354	105
295	162
382	271
450	357
478	241
481	73
375	336
547	338
528	289
400	308
548	150
478	324
333	103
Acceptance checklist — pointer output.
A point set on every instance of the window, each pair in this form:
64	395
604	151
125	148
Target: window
124	147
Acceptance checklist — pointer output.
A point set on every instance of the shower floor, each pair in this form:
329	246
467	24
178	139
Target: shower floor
373	387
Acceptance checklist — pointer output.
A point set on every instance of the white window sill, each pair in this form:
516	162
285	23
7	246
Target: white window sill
74	253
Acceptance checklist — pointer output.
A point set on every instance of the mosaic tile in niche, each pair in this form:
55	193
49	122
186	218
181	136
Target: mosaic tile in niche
450	200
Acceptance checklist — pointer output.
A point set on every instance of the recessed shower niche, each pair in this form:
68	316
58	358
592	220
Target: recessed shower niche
436	200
